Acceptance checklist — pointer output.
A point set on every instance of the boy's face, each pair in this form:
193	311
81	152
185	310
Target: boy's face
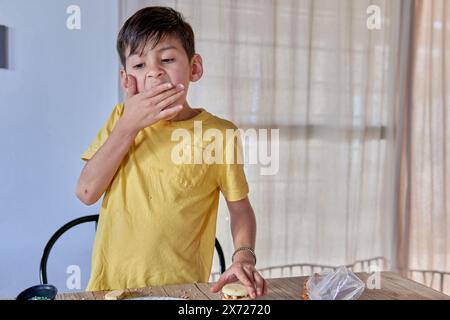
167	62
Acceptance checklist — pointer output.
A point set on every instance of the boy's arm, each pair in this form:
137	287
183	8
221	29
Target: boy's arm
101	168
141	110
243	230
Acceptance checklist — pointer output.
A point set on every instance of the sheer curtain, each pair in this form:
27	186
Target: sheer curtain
313	70
425	185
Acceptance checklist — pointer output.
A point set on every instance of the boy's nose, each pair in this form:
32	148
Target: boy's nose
153	80
154	72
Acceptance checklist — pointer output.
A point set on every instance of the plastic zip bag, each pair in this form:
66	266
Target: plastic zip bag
341	284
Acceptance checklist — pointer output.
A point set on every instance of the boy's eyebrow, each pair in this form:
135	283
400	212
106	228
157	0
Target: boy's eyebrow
167	48
159	50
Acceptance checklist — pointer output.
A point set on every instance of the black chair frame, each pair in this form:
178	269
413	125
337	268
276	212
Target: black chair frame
94	218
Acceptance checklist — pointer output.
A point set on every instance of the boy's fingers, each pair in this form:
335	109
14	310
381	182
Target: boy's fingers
219	284
251	275
249	285
265	287
131	86
259	283
160	98
157	90
171	99
169	113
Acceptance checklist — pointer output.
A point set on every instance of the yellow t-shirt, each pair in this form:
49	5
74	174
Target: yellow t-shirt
157	221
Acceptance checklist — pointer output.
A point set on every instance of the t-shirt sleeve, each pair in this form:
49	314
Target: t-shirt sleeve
104	133
232	181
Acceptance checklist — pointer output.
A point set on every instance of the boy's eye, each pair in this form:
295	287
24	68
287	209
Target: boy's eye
167	60
139	66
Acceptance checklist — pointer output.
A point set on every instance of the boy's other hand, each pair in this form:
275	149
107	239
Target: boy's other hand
245	272
146	108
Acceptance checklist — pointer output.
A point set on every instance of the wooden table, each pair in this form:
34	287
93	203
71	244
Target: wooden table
393	287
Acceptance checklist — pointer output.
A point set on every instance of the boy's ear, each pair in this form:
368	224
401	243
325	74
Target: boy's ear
123	79
128	83
196	68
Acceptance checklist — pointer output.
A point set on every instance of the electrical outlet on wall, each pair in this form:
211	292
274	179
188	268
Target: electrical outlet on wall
3	47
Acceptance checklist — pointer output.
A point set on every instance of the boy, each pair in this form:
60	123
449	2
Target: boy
158	218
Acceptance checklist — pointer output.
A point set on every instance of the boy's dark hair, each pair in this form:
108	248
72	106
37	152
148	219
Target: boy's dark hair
153	24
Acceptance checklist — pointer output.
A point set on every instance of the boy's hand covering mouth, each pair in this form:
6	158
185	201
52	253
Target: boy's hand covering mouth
155	84
146	108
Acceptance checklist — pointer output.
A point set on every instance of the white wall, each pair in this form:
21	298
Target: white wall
59	88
